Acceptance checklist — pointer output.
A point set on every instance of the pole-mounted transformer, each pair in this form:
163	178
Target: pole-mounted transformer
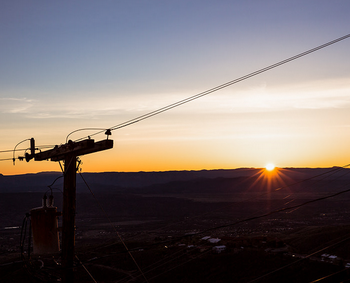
44	222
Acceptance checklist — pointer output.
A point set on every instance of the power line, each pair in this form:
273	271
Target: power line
214	89
325	174
85	129
21	149
119	236
6	159
189	260
250	218
11	150
87	271
24	149
331	172
275	211
330	275
306	257
166	260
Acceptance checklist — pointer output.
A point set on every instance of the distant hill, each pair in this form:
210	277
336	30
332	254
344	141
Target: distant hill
121	181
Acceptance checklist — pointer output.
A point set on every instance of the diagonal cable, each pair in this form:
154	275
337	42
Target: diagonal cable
87	271
299	260
214	89
116	231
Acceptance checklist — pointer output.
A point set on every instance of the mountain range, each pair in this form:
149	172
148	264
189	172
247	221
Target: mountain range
124	181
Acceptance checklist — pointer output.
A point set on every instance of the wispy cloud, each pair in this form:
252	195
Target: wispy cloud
15	105
264	99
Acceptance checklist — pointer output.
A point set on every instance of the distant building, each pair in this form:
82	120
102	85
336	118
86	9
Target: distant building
206	238
329	258
324	257
219	249
214	240
211	240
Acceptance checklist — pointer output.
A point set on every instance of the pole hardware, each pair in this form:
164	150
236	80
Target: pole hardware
69	153
28	156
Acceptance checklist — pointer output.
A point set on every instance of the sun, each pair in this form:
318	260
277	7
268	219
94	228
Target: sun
270	166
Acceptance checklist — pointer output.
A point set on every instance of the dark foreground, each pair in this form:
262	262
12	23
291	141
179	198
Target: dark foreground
167	228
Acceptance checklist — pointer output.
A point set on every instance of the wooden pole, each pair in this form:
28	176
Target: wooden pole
68	218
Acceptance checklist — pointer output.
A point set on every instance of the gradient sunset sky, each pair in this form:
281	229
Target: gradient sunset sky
66	65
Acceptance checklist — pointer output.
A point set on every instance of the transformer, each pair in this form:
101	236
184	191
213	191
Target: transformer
45	228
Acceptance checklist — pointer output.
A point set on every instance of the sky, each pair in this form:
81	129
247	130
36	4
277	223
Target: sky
68	65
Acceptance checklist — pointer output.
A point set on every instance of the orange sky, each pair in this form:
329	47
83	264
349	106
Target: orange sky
64	68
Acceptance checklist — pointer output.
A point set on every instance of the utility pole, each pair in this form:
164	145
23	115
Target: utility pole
69	153
68	217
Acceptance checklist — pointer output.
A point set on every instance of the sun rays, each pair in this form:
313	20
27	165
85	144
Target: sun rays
269	179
